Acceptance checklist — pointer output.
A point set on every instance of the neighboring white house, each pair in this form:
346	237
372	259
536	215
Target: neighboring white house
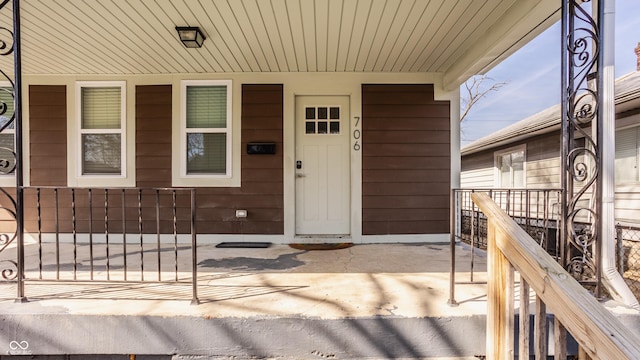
527	153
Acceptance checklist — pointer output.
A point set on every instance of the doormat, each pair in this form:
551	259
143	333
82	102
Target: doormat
325	246
246	245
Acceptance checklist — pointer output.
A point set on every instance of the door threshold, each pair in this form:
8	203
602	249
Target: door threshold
321	238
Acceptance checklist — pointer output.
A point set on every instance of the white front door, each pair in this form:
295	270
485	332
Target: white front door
322	165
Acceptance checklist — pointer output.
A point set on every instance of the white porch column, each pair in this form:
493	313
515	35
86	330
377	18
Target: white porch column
454	98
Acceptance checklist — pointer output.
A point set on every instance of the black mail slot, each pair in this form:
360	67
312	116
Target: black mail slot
261	148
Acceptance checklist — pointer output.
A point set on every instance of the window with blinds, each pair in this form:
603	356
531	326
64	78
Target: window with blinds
101	128
206	128
627	157
7	135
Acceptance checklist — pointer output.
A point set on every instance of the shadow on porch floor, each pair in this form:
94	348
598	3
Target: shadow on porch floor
364	280
368	301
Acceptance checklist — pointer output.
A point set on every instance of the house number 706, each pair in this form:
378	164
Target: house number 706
356	135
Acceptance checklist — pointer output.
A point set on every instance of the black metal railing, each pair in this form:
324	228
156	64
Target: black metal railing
536	210
108	235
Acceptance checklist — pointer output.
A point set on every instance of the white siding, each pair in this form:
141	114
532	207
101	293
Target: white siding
480	178
628	203
543	174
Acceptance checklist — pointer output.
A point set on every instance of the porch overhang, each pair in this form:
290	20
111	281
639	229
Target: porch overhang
454	39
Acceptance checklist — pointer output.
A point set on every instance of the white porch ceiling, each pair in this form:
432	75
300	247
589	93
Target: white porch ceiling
456	38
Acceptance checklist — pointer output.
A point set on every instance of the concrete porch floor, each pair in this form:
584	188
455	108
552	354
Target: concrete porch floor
375	301
363	280
368	301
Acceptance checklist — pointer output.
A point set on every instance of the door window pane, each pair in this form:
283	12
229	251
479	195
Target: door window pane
310	113
310	127
334	127
322	127
322	113
334	113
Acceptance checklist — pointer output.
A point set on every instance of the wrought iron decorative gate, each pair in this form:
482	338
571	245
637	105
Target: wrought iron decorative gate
582	138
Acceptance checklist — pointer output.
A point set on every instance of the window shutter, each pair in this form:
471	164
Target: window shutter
101	108
626	163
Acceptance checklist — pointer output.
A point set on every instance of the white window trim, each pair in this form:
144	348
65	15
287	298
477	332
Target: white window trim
227	130
496	170
8	180
122	131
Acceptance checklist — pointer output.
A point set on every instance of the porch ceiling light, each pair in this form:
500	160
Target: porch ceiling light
191	36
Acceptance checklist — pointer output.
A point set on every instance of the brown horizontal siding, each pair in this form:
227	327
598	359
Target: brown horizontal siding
382	123
406	162
77	210
410	162
48	135
406	227
404	188
399	136
153	135
403	175
405	149
377	215
261	191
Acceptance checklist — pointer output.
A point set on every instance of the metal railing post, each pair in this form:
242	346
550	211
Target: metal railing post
452	248
17	90
194	250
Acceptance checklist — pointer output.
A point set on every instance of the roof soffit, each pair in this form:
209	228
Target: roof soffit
138	37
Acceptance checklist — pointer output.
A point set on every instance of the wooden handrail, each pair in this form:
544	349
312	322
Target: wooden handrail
599	334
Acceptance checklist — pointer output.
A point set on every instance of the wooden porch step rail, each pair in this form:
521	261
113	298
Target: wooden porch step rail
598	333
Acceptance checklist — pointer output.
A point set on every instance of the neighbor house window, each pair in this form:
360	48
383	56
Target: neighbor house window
7	135
510	168
627	157
206	128
102	127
